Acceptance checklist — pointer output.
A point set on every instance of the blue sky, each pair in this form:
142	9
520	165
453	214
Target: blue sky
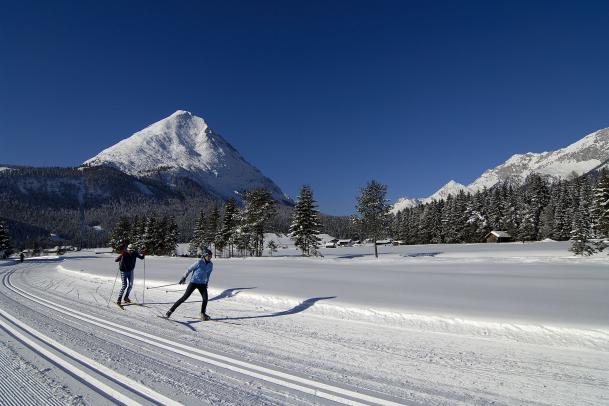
326	93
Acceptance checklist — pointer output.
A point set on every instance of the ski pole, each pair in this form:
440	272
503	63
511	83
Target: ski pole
162	286
113	285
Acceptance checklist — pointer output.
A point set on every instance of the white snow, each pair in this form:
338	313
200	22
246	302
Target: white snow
435	324
184	145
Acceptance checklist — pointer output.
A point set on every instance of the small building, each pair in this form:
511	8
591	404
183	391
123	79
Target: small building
498	236
330	244
344	243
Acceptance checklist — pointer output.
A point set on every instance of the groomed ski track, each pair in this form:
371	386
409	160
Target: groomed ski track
266	352
124	390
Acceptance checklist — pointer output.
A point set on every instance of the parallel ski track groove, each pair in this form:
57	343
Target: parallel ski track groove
322	390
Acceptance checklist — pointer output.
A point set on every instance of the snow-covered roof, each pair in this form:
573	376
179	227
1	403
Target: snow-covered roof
500	234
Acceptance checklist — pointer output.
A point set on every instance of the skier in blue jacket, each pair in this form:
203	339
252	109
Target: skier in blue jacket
201	270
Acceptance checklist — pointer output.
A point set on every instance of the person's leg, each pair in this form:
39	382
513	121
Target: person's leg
189	289
129	285
203	291
124	281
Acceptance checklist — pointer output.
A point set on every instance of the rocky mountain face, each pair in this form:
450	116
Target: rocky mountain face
588	154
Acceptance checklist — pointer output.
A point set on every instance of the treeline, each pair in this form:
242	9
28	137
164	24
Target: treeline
235	230
154	235
575	209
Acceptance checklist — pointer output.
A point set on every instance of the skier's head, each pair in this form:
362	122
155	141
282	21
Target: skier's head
130	248
206	254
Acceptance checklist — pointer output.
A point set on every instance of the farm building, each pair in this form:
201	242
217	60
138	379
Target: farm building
498	236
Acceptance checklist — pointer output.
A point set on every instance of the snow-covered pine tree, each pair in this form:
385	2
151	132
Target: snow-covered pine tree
526	220
171	236
119	238
581	230
227	233
562	219
538	197
198	235
601	205
509	204
152	238
447	221
211	229
475	220
5	241
139	234
305	224
373	209
258	209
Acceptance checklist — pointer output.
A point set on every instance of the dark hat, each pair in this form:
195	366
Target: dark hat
206	253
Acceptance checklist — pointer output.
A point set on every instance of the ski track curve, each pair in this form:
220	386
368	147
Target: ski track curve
293	382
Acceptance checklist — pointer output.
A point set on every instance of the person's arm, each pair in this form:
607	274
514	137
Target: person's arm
119	257
188	271
209	269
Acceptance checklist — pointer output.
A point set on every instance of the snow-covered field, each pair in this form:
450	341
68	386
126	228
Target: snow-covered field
437	324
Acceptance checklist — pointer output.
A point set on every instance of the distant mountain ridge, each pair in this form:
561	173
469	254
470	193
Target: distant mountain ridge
184	146
588	154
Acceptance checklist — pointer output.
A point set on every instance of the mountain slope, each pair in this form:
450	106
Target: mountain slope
581	157
183	146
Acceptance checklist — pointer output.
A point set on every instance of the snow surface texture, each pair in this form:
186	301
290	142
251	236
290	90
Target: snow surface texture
591	152
183	145
535	293
482	324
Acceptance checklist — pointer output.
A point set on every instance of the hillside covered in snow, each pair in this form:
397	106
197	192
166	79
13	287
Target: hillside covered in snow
588	154
184	146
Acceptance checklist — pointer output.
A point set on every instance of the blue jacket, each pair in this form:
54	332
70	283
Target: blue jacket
201	271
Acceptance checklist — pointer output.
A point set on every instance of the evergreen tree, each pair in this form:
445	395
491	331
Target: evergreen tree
305	224
601	205
580	233
211	229
272	247
197	243
171	235
227	233
119	238
562	220
373	210
152	243
258	209
138	232
5	241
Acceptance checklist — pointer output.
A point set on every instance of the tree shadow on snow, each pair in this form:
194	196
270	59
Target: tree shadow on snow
296	309
354	256
422	254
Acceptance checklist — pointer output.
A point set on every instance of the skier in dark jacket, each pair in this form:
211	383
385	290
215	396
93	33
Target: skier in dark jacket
126	265
201	270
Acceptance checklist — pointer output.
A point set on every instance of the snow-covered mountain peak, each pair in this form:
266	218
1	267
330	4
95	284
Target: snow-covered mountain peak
451	188
183	145
583	156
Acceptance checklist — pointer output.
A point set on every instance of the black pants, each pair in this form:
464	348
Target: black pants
201	287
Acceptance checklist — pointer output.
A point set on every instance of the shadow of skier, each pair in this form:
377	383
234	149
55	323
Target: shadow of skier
229	293
296	309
